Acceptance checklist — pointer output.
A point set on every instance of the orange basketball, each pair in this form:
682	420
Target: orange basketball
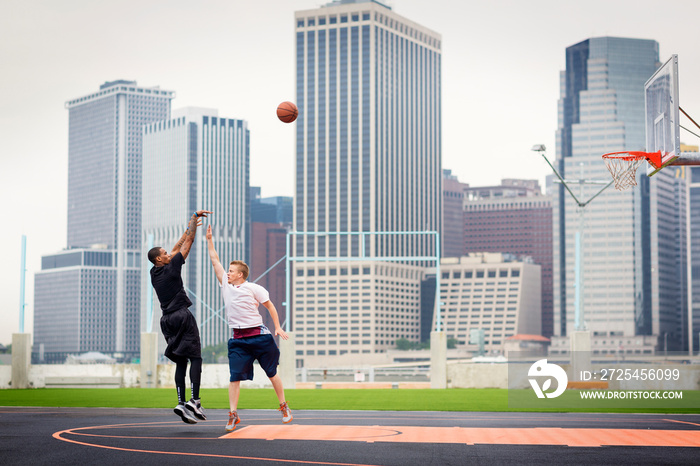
287	112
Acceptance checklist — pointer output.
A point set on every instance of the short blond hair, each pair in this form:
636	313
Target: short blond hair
242	267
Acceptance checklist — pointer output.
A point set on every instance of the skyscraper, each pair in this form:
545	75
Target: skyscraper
694	219
104	224
368	133
368	159
197	160
630	259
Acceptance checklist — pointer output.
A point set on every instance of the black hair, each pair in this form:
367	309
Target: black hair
153	253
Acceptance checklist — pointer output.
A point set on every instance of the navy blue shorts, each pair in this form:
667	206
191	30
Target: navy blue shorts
243	351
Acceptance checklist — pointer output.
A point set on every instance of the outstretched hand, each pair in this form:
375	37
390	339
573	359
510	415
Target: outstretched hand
281	333
202	213
209	232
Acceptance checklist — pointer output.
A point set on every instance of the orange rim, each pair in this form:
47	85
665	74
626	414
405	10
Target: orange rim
653	157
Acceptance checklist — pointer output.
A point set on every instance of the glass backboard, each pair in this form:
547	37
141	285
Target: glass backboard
662	116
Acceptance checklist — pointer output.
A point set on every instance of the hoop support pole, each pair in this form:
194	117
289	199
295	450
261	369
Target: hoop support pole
683	111
687	158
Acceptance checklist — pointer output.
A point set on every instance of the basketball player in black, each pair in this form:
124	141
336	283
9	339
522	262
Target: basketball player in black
178	324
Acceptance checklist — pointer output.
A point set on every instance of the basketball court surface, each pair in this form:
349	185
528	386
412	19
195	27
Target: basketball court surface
108	436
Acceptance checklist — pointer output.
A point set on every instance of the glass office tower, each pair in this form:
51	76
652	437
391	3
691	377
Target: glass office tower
630	260
694	219
104	215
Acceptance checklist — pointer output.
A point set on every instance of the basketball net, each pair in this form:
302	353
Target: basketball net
623	166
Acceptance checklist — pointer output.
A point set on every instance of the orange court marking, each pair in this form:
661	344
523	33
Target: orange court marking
471	435
682	422
60	436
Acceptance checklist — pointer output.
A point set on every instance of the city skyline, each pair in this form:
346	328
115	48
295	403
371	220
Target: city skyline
508	53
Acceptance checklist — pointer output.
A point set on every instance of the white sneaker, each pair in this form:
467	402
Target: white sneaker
185	414
286	412
196	408
233	419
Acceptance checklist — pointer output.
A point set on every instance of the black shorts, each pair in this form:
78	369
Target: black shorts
243	351
181	334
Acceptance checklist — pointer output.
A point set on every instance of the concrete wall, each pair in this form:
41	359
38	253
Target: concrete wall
438	360
471	375
287	365
459	375
22	354
213	375
352	361
129	373
5	376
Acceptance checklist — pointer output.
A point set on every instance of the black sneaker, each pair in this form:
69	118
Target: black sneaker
185	414
196	408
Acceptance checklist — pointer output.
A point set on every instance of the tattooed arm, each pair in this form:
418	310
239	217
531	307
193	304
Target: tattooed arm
187	239
179	244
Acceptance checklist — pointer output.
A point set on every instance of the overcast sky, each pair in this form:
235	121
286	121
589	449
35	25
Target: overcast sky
501	65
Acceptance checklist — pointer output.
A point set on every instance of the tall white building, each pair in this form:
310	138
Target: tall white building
368	159
368	142
196	160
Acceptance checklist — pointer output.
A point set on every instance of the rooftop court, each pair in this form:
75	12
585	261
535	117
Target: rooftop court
143	436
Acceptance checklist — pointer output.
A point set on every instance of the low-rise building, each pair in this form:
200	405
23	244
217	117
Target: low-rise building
497	293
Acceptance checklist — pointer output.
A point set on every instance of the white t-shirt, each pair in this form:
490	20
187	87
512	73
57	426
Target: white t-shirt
241	302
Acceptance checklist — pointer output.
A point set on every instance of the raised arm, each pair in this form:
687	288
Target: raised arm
185	242
215	262
179	244
181	241
275	319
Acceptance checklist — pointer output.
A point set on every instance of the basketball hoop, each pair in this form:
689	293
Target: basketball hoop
623	166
